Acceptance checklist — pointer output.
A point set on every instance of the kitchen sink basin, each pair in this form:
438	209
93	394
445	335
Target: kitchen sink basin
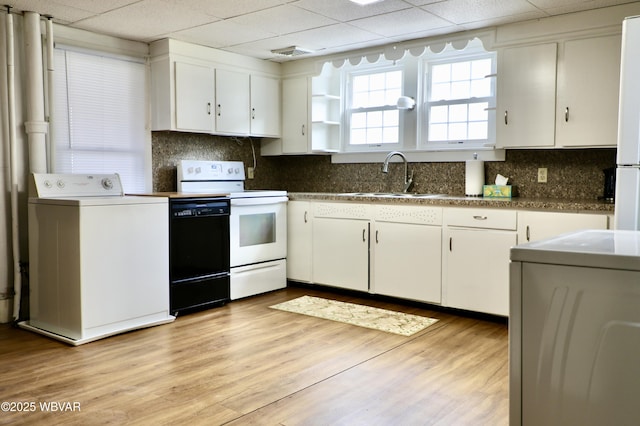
392	194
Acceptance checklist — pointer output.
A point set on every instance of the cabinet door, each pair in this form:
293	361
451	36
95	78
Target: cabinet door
232	102
534	226
588	89
341	253
526	96
265	106
295	116
477	269
407	261
299	240
195	89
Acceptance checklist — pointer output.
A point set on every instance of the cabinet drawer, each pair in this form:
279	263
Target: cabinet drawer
481	218
408	214
342	210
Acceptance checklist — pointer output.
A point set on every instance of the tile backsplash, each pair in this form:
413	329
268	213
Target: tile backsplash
572	174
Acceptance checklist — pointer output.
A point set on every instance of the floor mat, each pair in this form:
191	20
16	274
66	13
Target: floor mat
360	315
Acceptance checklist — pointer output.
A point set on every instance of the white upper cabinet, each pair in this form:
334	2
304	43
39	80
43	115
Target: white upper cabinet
194	97
232	102
295	116
588	89
526	96
203	90
561	96
266	106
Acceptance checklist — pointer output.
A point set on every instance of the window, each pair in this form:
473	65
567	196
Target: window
460	101
99	116
373	118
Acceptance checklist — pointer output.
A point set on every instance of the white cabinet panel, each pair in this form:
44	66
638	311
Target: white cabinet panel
299	240
526	96
232	102
477	269
341	253
588	89
265	106
535	226
406	261
195	91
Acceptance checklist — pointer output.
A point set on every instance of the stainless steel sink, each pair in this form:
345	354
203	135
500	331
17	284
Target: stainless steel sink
392	194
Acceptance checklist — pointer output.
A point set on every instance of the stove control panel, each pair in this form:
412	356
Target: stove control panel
62	185
198	170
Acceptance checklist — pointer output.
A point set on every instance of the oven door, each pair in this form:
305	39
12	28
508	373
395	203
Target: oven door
258	230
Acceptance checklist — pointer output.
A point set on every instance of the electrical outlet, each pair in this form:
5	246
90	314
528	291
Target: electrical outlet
542	175
250	172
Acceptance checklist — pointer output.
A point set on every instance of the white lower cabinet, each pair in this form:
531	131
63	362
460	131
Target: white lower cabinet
534	226
476	250
406	252
454	256
299	240
341	245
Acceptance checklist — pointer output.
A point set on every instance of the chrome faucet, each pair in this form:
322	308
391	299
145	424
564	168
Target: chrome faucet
408	177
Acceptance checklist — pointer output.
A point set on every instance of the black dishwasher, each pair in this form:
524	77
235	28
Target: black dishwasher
198	253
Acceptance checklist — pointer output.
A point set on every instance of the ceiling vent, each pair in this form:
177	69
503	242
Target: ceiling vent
291	51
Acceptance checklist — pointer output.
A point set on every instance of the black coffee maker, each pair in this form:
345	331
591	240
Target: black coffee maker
609	184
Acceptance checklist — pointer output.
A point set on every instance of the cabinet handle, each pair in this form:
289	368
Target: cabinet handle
506	118
566	115
303	130
480	217
450	243
219	109
253	113
305	217
376	236
528	234
208	108
363	232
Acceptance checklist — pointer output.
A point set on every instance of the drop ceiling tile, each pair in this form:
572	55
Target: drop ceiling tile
221	34
343	11
230	8
335	35
283	19
464	11
146	20
557	7
401	22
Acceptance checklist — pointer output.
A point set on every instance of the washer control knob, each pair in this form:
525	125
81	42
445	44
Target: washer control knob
60	183
47	184
107	183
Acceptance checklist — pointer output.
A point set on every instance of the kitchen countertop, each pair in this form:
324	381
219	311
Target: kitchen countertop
547	204
181	195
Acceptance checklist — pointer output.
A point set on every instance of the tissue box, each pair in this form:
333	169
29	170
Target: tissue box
496	191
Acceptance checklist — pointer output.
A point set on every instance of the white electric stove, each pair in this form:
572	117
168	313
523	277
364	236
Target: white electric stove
257	224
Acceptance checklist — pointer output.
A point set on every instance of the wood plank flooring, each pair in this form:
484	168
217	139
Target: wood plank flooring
244	363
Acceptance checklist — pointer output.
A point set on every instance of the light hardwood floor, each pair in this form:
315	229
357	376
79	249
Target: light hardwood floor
244	363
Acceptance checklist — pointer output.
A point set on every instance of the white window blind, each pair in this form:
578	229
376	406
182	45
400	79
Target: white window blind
99	116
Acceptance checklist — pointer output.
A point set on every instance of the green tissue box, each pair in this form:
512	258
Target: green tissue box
496	191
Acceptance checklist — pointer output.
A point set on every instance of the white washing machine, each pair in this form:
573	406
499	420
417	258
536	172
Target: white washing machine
98	260
574	330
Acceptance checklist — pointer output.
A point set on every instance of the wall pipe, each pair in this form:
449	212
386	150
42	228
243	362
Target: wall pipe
35	126
50	85
11	94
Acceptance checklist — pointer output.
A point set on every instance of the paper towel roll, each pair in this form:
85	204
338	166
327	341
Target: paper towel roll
474	177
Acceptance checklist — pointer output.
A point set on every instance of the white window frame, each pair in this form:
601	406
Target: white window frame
348	75
423	122
124	149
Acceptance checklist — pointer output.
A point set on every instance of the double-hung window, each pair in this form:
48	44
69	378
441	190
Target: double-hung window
460	101
371	112
100	115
